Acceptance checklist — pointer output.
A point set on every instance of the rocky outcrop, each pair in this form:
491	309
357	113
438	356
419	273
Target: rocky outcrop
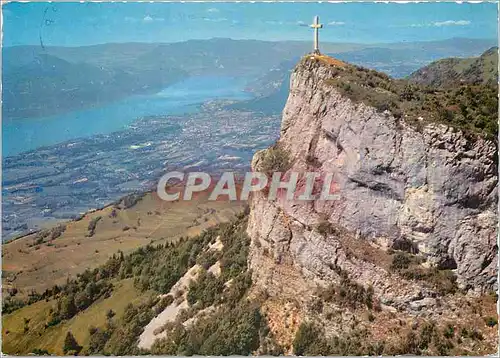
428	188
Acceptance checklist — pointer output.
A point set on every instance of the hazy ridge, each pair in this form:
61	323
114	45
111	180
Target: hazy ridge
44	81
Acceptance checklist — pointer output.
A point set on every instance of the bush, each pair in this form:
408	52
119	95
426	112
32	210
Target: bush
443	281
449	331
123	338
164	303
71	346
408	266
427	341
92	226
57	231
491	321
206	289
427	332
132	199
110	314
309	340
348	293
472	333
313	161
207	259
97	341
324	228
400	261
10	304
275	159
41	236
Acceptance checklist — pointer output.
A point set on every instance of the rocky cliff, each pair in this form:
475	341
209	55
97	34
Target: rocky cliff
427	189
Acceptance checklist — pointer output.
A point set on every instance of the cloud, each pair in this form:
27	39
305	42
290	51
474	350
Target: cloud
273	22
452	23
444	23
218	19
213	10
336	23
147	19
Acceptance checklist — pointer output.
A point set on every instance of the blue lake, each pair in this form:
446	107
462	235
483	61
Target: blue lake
22	135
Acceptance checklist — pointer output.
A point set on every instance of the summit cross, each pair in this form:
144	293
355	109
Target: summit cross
316	26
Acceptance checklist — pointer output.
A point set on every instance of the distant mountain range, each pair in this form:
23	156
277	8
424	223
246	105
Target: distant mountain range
45	81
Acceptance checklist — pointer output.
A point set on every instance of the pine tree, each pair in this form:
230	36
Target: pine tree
110	314
68	307
71	345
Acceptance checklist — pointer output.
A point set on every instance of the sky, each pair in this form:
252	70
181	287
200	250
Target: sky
76	24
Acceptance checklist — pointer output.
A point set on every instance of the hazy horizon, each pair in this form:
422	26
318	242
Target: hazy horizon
233	39
86	24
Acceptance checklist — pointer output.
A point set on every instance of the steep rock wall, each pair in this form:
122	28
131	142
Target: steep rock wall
432	188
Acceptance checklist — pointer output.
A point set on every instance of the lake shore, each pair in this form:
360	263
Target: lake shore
64	181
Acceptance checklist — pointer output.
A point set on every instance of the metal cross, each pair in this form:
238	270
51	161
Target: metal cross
316	25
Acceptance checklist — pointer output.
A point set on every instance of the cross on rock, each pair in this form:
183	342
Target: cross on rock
316	26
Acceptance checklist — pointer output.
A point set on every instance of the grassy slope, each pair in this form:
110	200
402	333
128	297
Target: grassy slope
41	266
27	266
449	71
52	339
471	106
237	320
18	341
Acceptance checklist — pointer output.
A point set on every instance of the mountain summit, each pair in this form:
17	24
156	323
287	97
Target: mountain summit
416	219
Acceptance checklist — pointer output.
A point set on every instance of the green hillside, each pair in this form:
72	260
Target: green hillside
106	309
452	71
466	101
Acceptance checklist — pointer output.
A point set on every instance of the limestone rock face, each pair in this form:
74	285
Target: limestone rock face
431	188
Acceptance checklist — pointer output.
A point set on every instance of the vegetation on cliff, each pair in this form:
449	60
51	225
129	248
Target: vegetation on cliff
275	159
237	325
470	105
426	339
